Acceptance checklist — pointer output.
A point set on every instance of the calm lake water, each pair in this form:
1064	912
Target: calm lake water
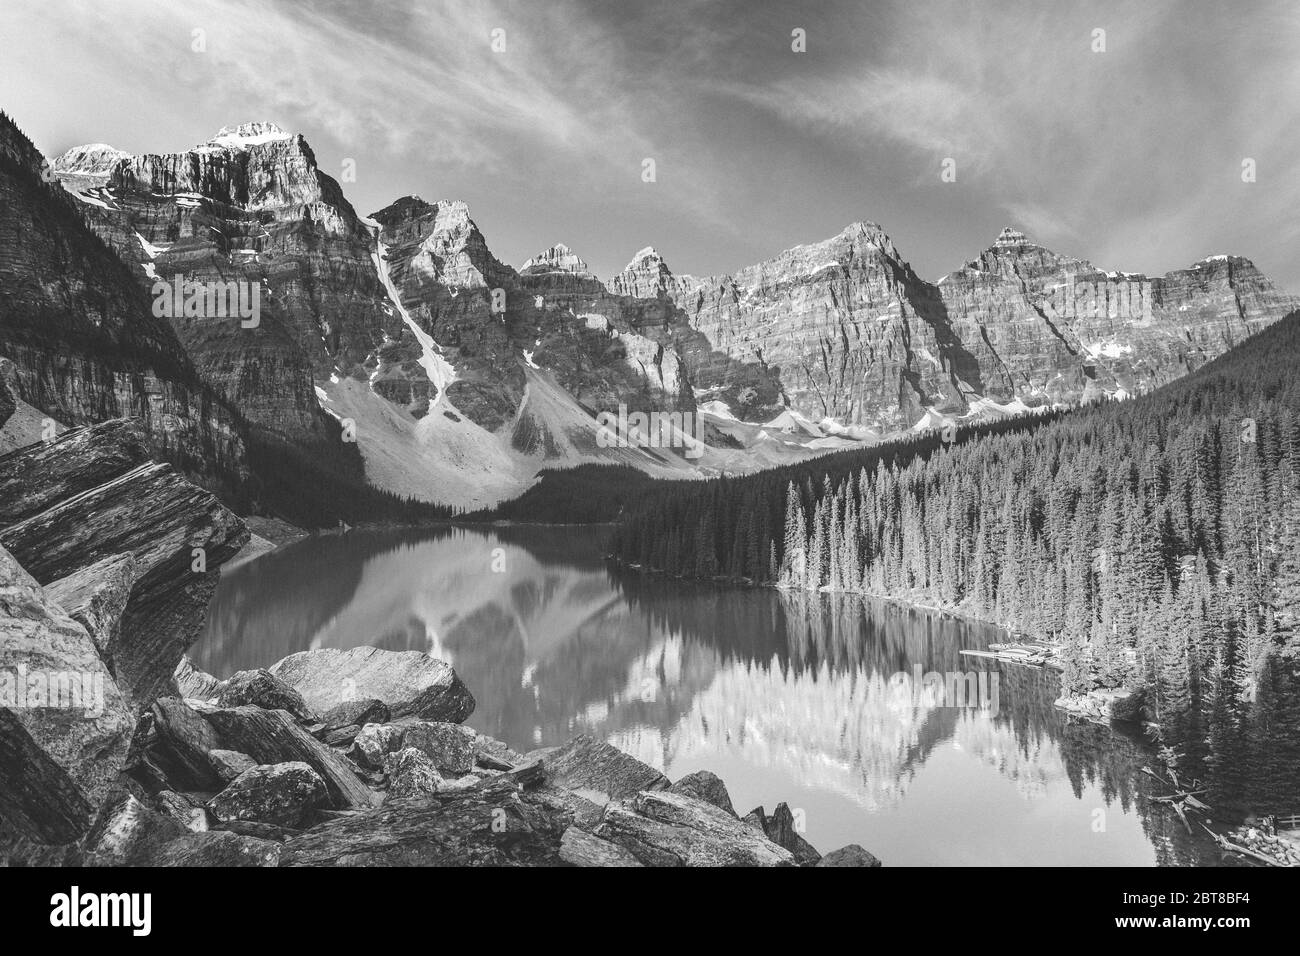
815	700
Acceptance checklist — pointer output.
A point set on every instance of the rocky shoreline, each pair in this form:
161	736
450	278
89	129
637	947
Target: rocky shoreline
115	750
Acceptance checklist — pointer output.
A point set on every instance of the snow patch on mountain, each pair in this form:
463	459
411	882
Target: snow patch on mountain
1107	349
440	371
791	421
442	457
718	409
248	134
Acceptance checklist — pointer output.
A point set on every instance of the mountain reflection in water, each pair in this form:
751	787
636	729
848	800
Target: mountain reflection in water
808	699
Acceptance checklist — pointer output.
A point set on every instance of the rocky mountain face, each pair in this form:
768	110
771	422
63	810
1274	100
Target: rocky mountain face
463	376
493	322
78	340
853	334
1050	329
498	369
251	206
833	324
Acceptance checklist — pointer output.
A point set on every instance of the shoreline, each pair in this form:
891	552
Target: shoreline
1102	704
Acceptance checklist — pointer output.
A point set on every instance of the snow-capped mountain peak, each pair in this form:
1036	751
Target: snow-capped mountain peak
558	258
248	134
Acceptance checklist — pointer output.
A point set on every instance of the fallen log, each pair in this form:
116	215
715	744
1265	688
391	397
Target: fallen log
1226	844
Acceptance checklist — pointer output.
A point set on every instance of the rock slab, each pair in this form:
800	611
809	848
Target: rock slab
669	829
410	683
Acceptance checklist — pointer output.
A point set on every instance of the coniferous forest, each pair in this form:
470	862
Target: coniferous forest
1156	540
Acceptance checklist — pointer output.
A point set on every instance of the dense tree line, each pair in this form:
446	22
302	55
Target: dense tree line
1157	540
321	486
584	494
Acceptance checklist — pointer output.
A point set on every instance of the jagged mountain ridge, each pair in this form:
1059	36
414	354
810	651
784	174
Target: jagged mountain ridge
77	341
858	337
465	375
249	204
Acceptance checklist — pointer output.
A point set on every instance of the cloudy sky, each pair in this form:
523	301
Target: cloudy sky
1131	157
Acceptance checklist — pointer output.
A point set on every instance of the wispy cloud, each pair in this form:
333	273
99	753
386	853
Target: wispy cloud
1129	157
1133	150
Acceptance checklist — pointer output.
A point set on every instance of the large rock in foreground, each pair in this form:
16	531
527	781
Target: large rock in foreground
64	725
580	848
188	738
497	823
781	829
851	855
38	477
409	682
601	772
131	544
264	689
706	786
96	597
669	829
283	794
272	736
195	684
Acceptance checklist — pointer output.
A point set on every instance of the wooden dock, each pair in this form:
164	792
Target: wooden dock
1029	653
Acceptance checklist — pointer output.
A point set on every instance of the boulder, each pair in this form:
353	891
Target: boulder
36	478
448	745
126	832
362	711
182	810
669	829
273	736
586	813
780	829
411	773
498	823
229	764
580	848
89	496
194	684
282	794
65	727
409	682
185	745
492	754
851	855
705	786
265	690
598	771
96	597
340	736
374	742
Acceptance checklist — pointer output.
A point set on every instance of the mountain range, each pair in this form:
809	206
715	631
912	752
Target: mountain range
399	348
